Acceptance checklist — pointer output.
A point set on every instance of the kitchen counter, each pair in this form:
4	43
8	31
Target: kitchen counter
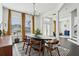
5	46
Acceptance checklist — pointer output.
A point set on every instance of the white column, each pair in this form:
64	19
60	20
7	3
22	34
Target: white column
1	10
78	25
57	25
51	33
70	26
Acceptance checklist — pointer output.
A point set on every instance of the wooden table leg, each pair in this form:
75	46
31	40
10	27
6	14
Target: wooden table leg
26	49
23	45
43	49
58	51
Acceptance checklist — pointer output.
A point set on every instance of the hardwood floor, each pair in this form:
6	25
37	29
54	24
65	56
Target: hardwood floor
74	49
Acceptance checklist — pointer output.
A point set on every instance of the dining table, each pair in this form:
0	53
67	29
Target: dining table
43	38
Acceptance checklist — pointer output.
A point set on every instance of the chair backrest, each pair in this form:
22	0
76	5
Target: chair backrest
55	41
27	40
35	42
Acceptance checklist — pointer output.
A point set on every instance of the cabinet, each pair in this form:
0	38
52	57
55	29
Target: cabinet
5	46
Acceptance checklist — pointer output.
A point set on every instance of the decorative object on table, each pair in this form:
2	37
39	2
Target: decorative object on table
37	32
0	32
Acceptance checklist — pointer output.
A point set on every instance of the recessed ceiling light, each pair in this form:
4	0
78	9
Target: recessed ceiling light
66	8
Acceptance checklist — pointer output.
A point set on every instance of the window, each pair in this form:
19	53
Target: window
47	25
16	22
28	24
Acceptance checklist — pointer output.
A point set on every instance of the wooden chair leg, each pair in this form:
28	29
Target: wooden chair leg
51	53
26	49
43	51
47	50
58	51
39	52
23	45
29	51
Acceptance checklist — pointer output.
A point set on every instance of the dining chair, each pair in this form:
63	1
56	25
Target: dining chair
36	45
26	43
52	45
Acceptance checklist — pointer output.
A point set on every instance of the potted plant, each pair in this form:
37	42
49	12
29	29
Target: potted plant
37	32
4	32
0	32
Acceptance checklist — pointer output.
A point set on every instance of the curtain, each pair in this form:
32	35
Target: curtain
23	26
33	26
9	22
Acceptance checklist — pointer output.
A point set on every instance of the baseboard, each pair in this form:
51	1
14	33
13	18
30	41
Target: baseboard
75	42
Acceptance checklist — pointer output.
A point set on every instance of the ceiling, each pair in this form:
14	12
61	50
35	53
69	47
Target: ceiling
41	8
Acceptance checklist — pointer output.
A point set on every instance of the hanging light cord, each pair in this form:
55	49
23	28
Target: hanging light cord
34	9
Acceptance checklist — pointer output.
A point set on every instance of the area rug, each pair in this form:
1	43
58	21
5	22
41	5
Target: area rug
18	51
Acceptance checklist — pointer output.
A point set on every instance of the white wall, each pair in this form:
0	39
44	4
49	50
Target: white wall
78	22
66	12
1	10
62	23
5	18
